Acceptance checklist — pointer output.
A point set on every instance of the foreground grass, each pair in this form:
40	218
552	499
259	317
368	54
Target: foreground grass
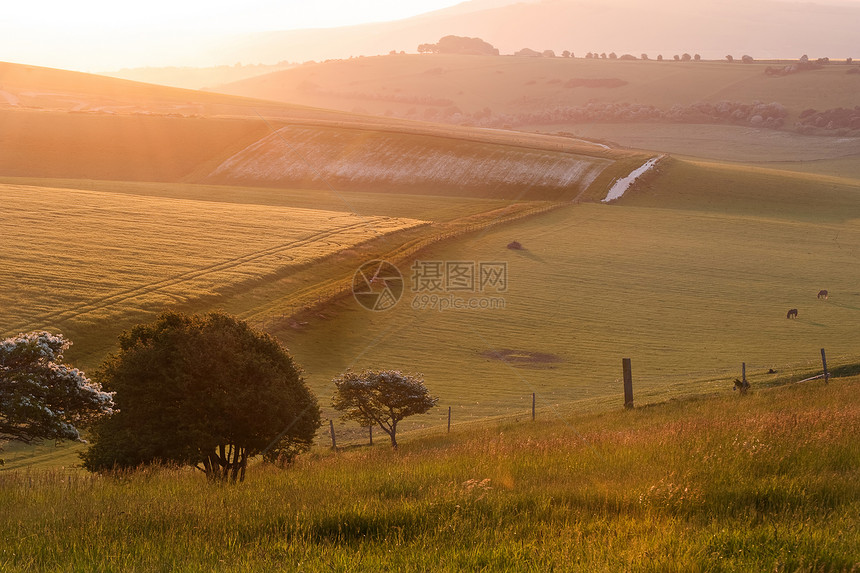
764	482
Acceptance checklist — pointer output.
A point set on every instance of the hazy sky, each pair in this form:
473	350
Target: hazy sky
97	35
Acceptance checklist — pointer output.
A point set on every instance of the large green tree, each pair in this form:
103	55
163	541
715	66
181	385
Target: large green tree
42	398
381	398
206	391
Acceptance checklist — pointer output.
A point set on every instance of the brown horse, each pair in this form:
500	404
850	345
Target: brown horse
791	313
822	294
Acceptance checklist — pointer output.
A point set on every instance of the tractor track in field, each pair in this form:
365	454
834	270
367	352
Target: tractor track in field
149	288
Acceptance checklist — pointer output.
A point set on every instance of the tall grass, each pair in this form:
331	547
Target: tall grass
768	481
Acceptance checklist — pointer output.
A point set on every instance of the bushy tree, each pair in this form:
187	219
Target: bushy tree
565	54
206	391
40	397
381	398
460	45
686	57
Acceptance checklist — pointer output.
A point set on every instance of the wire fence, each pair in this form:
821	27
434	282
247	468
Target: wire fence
647	391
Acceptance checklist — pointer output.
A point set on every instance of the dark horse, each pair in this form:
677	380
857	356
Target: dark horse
822	294
791	313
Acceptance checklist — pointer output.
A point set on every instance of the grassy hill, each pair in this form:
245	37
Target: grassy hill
767	481
539	94
513	85
76	126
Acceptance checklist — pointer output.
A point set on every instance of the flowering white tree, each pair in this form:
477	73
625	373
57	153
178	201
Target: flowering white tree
381	398
42	398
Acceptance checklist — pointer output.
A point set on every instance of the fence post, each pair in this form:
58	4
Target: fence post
744	373
533	406
371	434
331	428
449	419
824	363
628	383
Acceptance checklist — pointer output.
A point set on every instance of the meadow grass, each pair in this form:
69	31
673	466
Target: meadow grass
767	481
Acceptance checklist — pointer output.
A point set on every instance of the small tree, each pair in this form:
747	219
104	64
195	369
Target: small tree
659	57
381	398
746	59
206	391
40	397
565	54
613	56
730	58
697	58
643	57
686	57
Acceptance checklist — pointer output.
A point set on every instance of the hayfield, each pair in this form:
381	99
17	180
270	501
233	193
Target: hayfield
764	482
77	260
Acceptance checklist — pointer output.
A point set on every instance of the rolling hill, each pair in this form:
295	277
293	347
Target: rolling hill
718	110
75	126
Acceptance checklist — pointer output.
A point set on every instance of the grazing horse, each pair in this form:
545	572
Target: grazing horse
791	313
822	294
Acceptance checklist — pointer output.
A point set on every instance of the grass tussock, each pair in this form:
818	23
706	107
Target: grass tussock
764	482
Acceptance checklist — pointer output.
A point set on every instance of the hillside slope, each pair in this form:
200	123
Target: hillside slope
59	124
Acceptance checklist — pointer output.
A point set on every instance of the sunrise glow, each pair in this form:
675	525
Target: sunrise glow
94	35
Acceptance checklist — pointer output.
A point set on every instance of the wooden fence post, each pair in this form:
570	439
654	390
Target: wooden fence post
449	419
533	406
371	434
628	383
744	373
331	428
824	363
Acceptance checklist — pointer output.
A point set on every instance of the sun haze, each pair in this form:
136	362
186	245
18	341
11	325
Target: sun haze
93	35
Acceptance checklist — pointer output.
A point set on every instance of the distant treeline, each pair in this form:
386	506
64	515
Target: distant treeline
477	46
839	121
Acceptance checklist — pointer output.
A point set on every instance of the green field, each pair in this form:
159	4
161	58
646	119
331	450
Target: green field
764	482
781	149
687	295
